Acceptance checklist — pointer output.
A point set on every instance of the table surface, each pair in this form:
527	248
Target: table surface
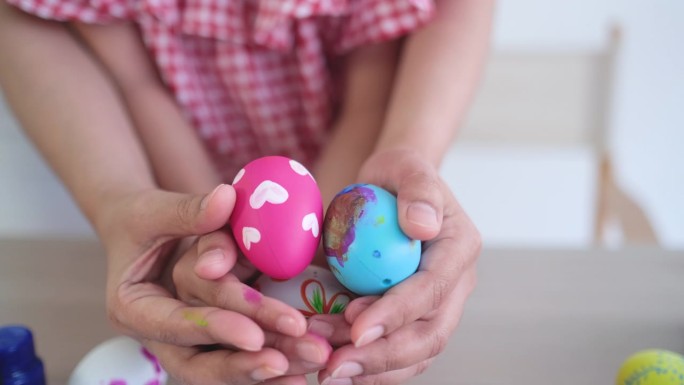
536	317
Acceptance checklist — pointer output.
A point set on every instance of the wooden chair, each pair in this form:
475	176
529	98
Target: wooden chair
555	99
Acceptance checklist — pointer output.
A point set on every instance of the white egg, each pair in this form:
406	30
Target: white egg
313	291
118	361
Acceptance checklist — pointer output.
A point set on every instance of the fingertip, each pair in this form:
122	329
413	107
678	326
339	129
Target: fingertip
217	255
211	265
292	324
420	220
218	205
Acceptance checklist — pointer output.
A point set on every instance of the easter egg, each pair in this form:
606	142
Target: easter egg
118	361
313	291
364	245
652	367
277	216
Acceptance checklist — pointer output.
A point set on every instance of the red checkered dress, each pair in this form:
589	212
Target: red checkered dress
252	76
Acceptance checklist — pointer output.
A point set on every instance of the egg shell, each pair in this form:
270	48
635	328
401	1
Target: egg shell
277	219
364	245
118	361
313	291
652	367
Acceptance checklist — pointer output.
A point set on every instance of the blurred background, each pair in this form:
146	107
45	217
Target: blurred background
575	138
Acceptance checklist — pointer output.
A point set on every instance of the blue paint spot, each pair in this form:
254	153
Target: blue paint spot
386	281
376	254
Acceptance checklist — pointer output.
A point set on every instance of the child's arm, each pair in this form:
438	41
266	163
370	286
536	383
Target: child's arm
440	69
179	159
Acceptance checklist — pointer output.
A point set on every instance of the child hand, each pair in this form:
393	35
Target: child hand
139	233
396	336
306	354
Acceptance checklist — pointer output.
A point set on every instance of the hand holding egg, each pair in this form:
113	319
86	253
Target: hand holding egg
364	246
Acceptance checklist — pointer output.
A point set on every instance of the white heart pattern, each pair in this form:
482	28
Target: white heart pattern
310	222
239	176
299	168
250	235
268	191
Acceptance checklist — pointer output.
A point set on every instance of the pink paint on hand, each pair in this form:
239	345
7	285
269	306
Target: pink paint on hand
117	382
252	296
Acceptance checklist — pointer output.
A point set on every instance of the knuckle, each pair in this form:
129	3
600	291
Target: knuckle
421	367
406	309
440	289
184	210
438	344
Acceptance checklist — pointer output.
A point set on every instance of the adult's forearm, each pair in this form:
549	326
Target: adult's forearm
175	151
439	71
70	111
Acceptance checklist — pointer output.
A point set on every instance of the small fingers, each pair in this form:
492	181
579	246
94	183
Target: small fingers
171	321
218	255
333	327
306	354
191	366
231	294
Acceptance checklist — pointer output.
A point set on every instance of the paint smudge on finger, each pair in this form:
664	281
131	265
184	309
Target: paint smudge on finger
196	318
252	296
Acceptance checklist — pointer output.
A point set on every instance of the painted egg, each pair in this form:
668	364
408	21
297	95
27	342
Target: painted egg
277	216
118	361
314	291
364	245
652	367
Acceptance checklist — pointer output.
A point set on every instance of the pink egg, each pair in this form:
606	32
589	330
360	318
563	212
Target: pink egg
278	215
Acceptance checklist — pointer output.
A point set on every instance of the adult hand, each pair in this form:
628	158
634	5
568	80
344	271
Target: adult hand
396	336
140	233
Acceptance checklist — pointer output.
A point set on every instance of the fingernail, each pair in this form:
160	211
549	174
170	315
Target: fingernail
321	328
347	369
206	199
288	325
337	381
422	214
266	372
212	257
370	335
309	351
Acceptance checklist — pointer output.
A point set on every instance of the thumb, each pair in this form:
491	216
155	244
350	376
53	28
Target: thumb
180	215
420	203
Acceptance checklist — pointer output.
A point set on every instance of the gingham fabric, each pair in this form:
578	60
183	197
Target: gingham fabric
254	77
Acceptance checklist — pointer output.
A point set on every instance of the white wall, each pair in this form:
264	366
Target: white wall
648	115
648	119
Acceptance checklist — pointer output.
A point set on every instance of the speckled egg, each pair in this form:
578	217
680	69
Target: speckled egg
652	367
364	245
277	216
313	291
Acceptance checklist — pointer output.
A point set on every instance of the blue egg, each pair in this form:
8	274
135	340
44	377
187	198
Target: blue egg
364	245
